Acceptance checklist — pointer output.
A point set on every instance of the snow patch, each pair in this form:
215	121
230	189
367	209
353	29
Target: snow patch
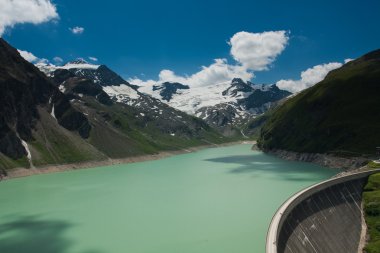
49	68
242	133
79	66
28	153
52	112
123	90
190	100
62	88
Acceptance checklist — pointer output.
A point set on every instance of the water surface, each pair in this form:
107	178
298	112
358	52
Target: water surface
217	200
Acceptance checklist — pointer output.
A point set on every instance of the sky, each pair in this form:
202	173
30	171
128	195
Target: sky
291	43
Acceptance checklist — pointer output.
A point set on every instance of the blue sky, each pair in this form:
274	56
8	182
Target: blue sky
140	38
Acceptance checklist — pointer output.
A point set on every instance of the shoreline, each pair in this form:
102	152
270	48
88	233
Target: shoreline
348	164
24	172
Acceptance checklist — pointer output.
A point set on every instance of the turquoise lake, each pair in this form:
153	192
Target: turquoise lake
217	200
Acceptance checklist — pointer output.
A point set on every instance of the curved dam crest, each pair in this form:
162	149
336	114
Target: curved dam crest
217	200
326	217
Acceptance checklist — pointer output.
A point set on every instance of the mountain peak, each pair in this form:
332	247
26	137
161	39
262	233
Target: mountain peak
168	89
237	80
77	61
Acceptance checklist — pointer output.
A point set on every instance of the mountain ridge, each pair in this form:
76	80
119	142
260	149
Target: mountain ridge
339	115
68	117
226	106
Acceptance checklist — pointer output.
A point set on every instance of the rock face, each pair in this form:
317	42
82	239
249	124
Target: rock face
339	115
167	89
71	85
225	106
23	90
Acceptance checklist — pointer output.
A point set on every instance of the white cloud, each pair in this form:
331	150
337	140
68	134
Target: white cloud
256	51
93	58
309	77
139	82
57	59
77	30
252	51
28	55
25	11
218	72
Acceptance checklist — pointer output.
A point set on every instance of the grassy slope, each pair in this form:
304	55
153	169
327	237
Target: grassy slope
53	144
116	133
371	197
338	115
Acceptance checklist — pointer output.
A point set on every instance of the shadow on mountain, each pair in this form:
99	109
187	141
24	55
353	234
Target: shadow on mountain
259	164
34	235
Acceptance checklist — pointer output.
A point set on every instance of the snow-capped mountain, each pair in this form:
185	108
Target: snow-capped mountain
81	81
222	105
113	84
100	74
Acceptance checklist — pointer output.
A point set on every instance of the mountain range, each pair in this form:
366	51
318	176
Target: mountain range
84	112
66	114
224	106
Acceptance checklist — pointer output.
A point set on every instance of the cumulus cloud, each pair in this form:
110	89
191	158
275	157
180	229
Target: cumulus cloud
309	77
256	51
252	52
25	11
77	30
140	82
28	56
93	58
218	72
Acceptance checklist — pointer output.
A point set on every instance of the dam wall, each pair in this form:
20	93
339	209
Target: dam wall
326	217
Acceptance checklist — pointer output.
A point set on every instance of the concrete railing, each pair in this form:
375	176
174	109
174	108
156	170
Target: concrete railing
275	228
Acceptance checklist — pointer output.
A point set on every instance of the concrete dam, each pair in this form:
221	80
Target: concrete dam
323	218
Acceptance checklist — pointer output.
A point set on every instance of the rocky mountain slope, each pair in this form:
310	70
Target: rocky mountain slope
340	115
69	116
122	92
226	106
37	121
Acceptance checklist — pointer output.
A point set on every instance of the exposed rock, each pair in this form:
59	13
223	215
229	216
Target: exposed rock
168	89
328	160
23	88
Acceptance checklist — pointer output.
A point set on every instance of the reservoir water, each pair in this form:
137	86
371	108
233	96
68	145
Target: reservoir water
217	200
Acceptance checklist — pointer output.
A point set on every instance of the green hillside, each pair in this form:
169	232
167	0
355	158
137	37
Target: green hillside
339	115
371	198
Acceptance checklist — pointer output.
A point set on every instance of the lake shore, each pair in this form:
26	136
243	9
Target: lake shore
331	161
24	172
